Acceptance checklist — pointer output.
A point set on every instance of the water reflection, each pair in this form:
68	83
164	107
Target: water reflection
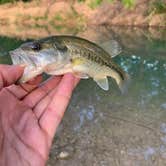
84	114
111	128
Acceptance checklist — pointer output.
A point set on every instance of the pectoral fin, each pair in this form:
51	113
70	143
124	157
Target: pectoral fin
29	73
102	82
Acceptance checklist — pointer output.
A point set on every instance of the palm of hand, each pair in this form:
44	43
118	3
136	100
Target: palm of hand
29	118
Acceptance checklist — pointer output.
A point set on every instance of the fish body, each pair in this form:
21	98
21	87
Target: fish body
57	55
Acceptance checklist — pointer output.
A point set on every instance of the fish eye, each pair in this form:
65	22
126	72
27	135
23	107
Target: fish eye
36	47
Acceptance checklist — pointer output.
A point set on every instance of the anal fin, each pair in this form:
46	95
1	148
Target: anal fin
102	82
81	75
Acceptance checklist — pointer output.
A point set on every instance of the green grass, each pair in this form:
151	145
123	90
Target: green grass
11	1
80	0
6	1
58	17
157	7
40	18
128	3
94	3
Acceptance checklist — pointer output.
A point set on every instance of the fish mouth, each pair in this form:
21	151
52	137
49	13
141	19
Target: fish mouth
16	58
20	58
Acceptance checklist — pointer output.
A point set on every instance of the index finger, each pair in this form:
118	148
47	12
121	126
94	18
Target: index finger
53	114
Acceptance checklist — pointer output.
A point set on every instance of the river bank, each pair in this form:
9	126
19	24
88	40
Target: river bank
42	18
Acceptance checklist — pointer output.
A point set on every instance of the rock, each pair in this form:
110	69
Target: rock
163	106
158	20
63	155
140	20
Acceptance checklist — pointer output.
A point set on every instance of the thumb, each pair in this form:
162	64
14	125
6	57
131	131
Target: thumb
9	74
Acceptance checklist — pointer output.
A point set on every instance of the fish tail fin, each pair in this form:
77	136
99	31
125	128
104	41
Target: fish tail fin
124	83
121	78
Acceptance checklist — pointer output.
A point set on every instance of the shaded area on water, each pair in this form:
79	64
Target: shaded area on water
107	128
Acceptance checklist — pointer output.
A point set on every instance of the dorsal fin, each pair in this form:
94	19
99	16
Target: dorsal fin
112	47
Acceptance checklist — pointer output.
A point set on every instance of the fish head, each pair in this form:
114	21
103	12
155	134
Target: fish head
37	55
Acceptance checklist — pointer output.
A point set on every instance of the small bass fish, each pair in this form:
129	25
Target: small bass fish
57	55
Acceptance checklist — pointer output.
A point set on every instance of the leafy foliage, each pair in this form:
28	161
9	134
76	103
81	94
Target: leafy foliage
81	0
6	1
94	3
11	1
128	3
157	7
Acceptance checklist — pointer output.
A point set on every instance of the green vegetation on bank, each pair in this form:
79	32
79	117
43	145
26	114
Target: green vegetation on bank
92	3
95	3
155	6
128	3
12	1
6	1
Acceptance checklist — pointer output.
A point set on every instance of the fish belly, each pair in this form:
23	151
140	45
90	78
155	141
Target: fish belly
59	71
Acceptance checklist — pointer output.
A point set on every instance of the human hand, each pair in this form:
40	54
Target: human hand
29	115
